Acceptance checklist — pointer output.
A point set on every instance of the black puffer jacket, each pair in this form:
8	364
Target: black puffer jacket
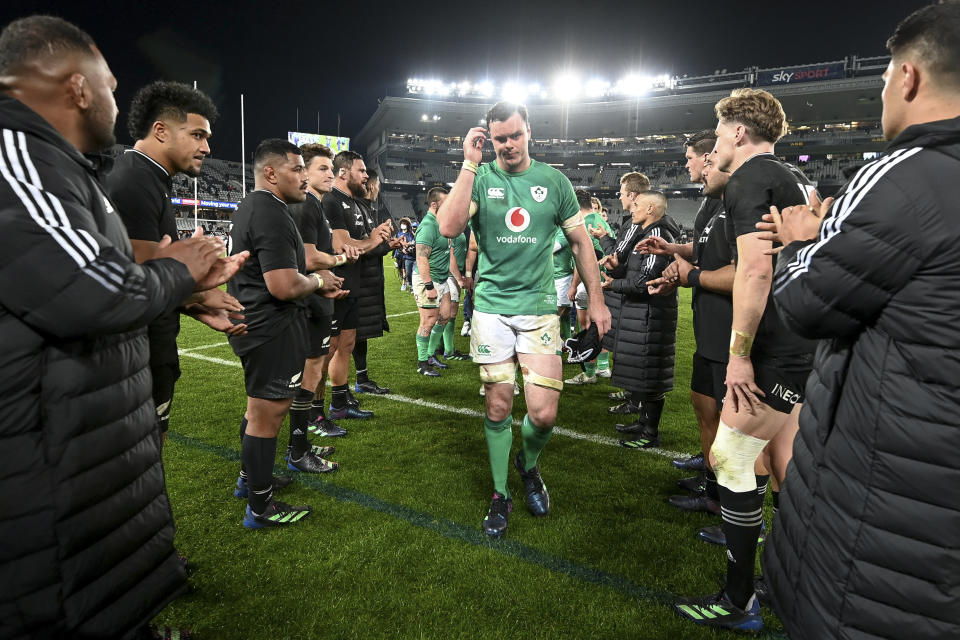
867	540
86	532
371	307
644	344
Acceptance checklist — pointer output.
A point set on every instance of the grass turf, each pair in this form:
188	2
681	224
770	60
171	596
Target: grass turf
394	548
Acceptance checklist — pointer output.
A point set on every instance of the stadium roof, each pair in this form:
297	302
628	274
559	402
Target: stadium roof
834	100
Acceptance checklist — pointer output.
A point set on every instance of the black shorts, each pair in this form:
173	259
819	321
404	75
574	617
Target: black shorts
344	315
709	378
319	331
782	380
165	376
274	369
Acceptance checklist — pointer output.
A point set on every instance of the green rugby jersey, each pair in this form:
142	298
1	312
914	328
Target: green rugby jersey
459	248
517	218
596	220
428	233
563	258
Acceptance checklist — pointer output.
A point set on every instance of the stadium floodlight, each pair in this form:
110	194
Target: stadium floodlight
596	88
566	87
463	88
424	118
534	89
632	85
484	88
514	92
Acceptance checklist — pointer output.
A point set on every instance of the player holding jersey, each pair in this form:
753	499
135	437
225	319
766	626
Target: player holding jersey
515	206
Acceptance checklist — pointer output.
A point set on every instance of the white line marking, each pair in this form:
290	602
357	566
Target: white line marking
405	313
463	411
206	346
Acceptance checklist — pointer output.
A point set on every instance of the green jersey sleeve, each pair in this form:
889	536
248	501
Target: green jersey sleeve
567	206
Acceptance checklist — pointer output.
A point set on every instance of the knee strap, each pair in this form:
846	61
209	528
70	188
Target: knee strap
736	453
532	377
503	373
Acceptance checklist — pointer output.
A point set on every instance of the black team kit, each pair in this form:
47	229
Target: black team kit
342	212
273	350
140	188
781	363
314	229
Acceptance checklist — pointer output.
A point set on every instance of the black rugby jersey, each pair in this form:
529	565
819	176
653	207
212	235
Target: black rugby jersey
712	311
263	225
343	212
315	230
140	189
761	182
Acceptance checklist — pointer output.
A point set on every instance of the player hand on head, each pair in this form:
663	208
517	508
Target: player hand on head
801	222
473	144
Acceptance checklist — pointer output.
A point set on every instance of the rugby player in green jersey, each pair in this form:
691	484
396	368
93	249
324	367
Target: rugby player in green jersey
515	206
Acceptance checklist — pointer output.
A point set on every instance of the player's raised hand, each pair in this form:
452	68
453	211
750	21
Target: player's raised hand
473	144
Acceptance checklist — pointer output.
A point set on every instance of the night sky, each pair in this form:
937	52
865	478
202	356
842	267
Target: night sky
329	59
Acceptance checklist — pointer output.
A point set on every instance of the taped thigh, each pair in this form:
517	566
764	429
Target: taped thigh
532	377
503	373
736	453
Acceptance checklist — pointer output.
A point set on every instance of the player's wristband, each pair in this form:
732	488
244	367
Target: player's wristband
428	285
740	343
694	277
319	280
470	166
468	274
340	259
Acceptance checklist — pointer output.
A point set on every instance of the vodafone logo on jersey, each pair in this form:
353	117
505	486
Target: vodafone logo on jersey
517	219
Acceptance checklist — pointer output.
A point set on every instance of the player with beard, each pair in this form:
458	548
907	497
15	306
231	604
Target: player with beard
348	223
170	122
272	287
768	365
318	254
515	205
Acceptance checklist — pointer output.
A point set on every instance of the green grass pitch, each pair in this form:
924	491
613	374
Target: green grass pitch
394	548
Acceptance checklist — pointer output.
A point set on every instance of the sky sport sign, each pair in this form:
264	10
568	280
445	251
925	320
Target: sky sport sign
793	75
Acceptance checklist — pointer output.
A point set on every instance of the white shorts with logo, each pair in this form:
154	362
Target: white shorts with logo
563	287
420	293
582	300
496	338
454	289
